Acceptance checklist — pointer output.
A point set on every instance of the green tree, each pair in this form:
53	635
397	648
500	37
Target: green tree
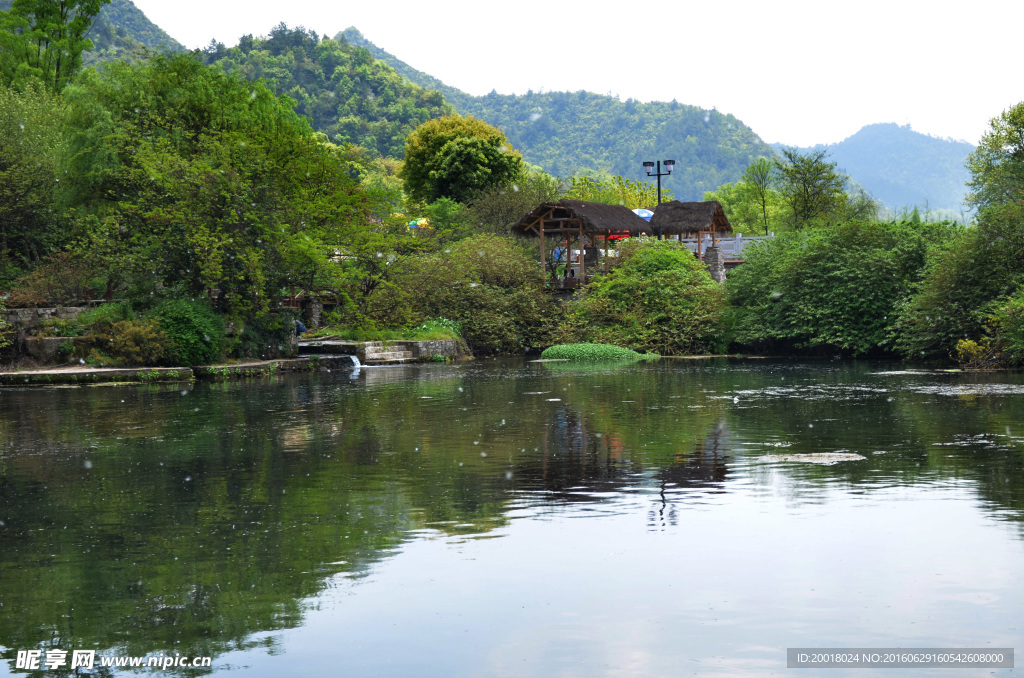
813	190
30	148
46	39
997	164
194	182
455	157
760	180
497	209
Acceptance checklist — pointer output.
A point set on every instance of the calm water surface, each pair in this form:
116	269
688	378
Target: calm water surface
505	518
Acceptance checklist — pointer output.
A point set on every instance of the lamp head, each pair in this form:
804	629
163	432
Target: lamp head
649	168
669	165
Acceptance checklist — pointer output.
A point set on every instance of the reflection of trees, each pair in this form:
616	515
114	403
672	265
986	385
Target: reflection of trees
963	426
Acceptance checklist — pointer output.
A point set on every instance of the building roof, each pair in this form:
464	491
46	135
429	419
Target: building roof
596	218
689	218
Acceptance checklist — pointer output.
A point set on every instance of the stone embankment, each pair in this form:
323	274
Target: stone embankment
317	356
383	352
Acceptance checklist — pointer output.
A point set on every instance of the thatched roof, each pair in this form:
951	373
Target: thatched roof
596	218
688	218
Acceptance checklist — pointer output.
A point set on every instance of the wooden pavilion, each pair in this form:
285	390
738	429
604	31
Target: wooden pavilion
691	220
567	219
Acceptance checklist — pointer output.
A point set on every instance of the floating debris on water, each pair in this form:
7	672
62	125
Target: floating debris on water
824	458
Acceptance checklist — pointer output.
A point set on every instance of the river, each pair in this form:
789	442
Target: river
512	518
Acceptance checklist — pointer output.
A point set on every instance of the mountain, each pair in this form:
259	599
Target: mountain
904	168
568	133
346	93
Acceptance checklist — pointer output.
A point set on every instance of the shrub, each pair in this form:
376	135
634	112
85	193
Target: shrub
266	337
659	299
5	329
63	278
61	328
589	353
194	333
133	343
485	284
105	315
826	290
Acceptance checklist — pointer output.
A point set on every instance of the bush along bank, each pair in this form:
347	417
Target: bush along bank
659	299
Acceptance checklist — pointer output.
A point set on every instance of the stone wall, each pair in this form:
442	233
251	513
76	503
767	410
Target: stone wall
31	318
714	259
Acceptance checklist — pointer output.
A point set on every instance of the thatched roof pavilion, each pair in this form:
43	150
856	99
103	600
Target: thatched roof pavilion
690	219
568	218
593	218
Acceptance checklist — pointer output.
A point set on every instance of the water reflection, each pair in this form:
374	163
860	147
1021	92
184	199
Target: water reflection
137	520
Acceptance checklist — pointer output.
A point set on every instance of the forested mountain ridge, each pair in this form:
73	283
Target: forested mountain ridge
569	133
346	93
904	168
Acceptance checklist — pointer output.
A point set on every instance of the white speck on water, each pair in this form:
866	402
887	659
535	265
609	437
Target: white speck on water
483	454
460	389
188	479
87	464
735	399
476	442
508	476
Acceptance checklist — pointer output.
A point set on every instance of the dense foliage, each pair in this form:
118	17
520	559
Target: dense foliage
343	91
485	283
192	181
30	153
966	285
828	290
660	299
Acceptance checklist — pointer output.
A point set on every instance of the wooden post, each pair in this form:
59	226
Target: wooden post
606	234
543	264
583	249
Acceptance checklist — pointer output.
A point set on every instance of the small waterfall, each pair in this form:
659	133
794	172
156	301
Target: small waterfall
355	361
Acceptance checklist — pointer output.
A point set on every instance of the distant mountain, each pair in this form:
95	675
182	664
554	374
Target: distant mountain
569	133
904	168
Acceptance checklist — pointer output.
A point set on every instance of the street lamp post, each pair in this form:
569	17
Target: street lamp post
649	168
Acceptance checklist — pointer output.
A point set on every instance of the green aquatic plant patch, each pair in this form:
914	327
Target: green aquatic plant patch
592	353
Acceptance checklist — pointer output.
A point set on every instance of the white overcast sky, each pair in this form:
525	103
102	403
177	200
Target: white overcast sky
799	73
